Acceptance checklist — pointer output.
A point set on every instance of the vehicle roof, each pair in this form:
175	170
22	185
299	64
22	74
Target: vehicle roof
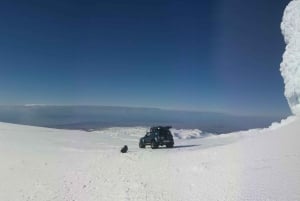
160	128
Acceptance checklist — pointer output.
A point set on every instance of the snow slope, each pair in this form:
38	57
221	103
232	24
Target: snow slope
48	164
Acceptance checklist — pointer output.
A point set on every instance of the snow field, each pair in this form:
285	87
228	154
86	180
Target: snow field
49	164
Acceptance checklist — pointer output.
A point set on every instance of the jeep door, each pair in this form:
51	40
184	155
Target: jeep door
147	138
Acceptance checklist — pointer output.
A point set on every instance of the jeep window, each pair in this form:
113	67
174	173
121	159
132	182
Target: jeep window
164	132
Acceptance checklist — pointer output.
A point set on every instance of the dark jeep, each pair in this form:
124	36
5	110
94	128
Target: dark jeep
158	136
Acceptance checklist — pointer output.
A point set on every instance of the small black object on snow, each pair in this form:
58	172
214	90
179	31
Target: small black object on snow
124	149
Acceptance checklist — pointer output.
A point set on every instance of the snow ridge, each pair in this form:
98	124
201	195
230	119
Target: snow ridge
188	133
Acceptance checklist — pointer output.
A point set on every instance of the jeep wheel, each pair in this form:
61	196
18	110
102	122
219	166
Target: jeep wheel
142	145
154	145
170	145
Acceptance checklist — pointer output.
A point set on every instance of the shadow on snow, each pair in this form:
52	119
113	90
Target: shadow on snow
181	146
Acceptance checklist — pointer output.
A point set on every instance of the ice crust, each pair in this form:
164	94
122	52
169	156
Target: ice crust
290	66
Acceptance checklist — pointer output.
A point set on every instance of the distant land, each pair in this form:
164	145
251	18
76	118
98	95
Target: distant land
100	117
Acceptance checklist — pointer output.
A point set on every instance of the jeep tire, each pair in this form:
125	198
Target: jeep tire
142	145
154	145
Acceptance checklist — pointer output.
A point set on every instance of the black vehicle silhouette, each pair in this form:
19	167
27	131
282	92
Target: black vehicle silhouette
158	136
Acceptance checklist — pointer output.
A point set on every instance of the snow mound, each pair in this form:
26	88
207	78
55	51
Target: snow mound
290	66
284	122
187	133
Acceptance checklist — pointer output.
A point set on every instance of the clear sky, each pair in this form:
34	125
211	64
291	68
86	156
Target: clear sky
204	55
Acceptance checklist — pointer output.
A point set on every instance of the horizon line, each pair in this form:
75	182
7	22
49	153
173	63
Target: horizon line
135	107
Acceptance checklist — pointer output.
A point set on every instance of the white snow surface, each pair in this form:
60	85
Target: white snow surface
48	164
290	66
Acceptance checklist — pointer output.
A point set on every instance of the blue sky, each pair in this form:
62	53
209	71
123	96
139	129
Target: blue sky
210	55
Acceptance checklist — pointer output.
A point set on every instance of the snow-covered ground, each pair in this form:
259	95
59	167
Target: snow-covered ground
49	164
